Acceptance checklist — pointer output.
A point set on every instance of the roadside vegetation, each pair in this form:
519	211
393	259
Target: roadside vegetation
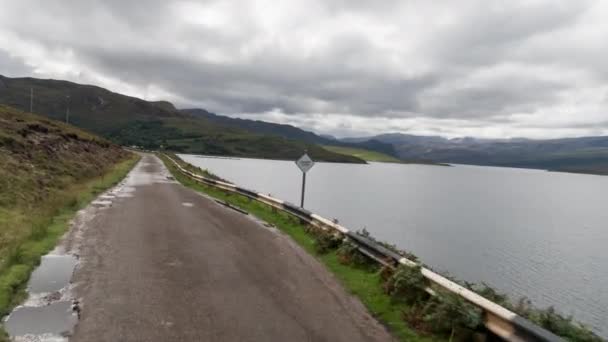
48	171
399	297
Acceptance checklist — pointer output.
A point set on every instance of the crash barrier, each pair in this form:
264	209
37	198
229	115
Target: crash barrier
497	319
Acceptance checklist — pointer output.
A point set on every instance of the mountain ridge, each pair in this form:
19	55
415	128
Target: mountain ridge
289	131
579	154
129	120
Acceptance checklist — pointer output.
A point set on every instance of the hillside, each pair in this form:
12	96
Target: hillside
192	135
132	121
366	155
39	157
584	155
290	132
257	126
47	169
96	109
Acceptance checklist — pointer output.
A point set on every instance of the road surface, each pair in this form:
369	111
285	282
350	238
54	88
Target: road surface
160	262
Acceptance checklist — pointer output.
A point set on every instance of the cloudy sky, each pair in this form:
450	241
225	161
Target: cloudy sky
344	67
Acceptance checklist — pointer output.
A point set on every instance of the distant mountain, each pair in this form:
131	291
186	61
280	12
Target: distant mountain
587	154
131	121
328	136
290	132
397	138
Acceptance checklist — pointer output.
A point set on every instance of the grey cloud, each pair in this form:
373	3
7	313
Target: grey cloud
272	82
321	62
12	66
490	34
512	95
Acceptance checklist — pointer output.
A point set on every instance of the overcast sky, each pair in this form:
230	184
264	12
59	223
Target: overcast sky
344	67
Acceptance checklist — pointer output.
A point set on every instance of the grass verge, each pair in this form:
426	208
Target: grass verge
47	231
365	283
366	155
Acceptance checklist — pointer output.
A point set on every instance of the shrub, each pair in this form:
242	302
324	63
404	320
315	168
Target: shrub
449	312
489	293
386	272
563	326
325	240
407	284
349	254
8	141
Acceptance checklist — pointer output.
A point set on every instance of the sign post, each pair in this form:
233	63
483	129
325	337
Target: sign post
305	164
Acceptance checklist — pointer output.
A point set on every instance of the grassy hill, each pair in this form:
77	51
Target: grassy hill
96	109
48	170
366	155
132	121
193	135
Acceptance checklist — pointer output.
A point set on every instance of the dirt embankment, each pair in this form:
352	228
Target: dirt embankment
42	162
38	154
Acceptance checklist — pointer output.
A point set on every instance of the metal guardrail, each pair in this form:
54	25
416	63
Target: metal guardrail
497	319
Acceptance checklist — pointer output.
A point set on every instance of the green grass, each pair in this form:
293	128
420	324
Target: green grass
363	283
366	155
26	255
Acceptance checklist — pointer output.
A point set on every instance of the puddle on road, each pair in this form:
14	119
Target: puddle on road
102	203
55	319
123	191
53	274
48	314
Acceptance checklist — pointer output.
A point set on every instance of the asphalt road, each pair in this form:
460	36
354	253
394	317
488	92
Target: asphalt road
160	262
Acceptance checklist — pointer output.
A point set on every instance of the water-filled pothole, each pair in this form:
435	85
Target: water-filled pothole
47	314
57	319
53	274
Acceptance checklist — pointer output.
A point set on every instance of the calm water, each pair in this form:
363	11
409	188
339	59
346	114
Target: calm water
530	233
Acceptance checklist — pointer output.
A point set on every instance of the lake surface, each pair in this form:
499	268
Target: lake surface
543	235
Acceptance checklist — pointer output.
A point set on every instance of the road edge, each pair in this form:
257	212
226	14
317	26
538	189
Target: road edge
59	227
